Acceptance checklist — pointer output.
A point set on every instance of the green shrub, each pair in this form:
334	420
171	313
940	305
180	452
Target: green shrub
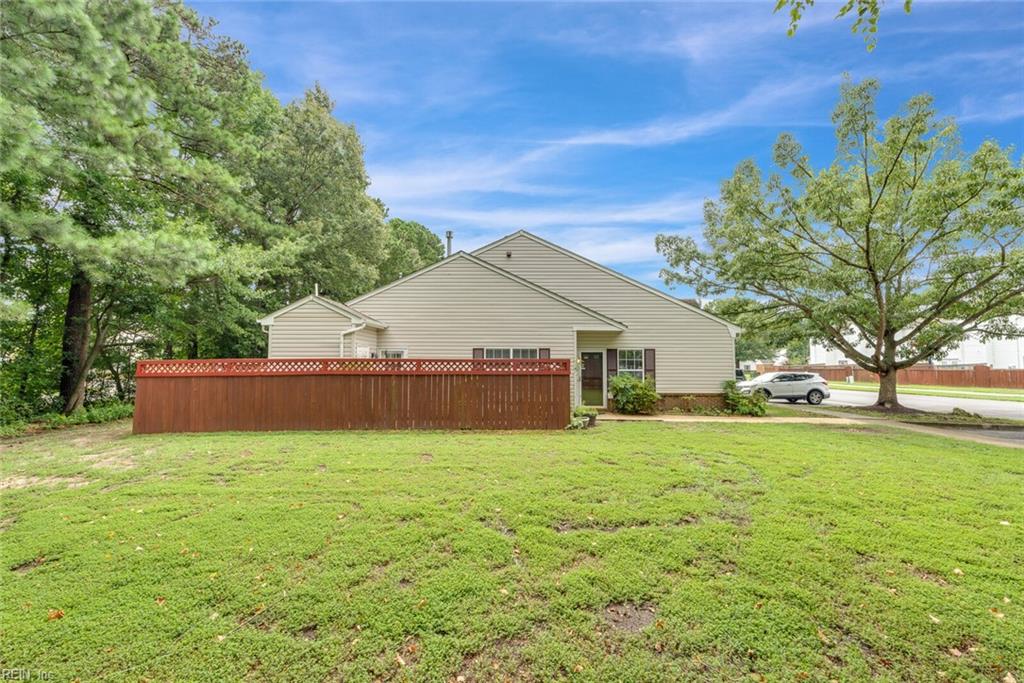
633	396
754	404
584	411
95	414
15	428
108	412
578	422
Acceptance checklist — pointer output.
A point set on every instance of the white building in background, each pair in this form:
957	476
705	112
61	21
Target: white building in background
781	358
996	353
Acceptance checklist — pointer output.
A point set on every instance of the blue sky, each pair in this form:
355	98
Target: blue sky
599	125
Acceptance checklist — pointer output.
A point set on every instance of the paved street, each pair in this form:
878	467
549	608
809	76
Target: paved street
932	404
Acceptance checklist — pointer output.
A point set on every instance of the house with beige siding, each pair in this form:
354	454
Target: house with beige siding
522	297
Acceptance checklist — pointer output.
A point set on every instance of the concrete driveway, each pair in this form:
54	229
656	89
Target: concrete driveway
931	404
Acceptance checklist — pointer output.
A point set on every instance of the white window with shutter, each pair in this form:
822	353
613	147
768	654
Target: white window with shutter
502	352
631	362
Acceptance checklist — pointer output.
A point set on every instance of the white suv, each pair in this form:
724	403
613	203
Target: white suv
791	386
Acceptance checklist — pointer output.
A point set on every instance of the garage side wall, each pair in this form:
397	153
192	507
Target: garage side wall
309	331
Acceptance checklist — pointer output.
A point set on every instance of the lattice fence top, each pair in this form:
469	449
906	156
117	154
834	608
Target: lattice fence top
268	367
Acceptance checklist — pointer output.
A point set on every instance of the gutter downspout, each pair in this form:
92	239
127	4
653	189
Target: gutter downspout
347	332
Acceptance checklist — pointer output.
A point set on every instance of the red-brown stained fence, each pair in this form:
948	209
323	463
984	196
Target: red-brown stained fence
976	376
263	394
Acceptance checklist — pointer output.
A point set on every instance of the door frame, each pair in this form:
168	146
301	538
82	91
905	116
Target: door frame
604	375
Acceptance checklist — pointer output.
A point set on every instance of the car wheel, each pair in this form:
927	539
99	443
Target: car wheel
792	400
764	392
814	397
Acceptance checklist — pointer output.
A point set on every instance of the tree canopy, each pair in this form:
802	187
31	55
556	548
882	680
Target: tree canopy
904	244
865	13
763	336
156	198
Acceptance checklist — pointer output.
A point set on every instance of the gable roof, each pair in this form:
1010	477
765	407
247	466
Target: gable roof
461	255
733	329
329	304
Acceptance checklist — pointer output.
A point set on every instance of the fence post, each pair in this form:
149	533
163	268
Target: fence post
982	376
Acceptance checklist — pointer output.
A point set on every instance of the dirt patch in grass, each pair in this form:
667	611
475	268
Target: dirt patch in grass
738	518
629	617
114	459
307	632
29	565
580	561
926	575
565	527
258	619
963	648
499	661
378	571
20	482
410	652
87	436
500	525
7	522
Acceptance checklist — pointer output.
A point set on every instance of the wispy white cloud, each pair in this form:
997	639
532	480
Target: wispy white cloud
672	209
760	106
995	110
527	171
436	175
707	42
997	65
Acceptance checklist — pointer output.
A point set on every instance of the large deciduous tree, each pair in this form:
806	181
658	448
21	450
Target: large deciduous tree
313	185
904	245
155	198
764	334
410	246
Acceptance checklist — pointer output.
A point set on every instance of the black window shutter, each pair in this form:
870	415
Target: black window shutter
478	353
613	362
649	364
543	353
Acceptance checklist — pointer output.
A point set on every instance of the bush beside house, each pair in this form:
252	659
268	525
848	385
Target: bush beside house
633	396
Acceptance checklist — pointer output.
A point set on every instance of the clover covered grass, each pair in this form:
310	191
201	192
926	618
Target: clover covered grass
633	551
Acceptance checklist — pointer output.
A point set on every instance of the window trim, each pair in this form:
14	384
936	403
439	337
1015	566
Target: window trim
511	352
631	371
379	353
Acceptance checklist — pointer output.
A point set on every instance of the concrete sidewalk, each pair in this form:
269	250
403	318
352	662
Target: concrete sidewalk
1008	439
616	417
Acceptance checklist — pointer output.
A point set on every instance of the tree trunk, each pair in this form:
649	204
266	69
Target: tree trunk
116	376
75	342
887	391
30	352
887	377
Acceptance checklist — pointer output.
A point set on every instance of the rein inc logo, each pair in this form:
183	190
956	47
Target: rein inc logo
25	675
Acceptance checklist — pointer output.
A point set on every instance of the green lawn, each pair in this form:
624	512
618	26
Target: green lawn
634	551
952	392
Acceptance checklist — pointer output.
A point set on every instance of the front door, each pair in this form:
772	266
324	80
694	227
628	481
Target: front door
592	378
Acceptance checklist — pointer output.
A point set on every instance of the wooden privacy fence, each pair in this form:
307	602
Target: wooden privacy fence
264	394
976	376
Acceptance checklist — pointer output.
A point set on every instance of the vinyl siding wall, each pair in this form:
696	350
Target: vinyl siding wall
694	354
309	331
365	337
448	311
